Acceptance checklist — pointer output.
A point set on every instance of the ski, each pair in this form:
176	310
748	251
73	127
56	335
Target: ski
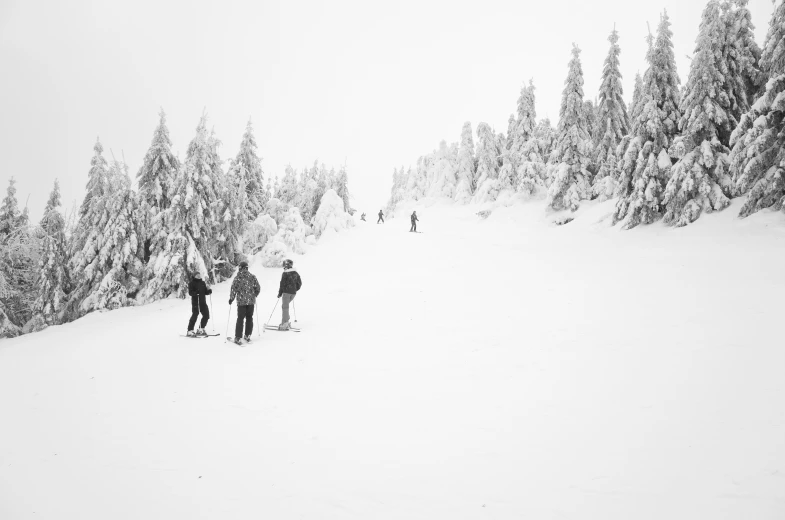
272	327
197	337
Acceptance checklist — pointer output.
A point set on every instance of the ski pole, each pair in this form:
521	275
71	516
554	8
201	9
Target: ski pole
271	315
294	309
211	311
228	317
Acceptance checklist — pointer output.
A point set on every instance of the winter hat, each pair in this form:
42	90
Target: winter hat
198	275
287	264
243	265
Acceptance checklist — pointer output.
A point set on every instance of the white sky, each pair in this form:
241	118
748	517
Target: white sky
373	84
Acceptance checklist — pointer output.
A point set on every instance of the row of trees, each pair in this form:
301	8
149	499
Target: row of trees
125	245
673	154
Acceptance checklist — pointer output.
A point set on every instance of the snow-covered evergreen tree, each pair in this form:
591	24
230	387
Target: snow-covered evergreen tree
466	167
612	122
700	178
246	169
646	165
571	156
487	173
52	280
636	106
191	221
97	178
743	79
288	190
10	217
342	188
758	156
158	168
108	268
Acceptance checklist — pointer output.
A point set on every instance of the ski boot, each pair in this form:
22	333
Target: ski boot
191	334
201	333
284	326
238	342
247	339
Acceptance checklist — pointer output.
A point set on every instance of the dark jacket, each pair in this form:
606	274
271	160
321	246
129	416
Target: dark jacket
197	289
414	218
290	282
245	287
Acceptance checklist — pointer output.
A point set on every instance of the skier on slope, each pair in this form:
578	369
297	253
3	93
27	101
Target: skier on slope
245	288
198	291
290	284
414	222
381	217
362	217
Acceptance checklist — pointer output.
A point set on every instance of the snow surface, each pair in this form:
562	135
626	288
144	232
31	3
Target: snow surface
487	368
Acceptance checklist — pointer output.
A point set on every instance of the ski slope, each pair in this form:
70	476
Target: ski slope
483	369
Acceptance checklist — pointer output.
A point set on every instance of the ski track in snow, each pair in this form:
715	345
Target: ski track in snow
498	368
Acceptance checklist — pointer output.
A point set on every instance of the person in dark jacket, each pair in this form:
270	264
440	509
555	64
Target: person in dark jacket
414	222
290	284
381	217
198	291
362	217
245	288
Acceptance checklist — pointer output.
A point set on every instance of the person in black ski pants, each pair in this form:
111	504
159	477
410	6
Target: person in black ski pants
381	217
198	291
414	222
290	284
245	288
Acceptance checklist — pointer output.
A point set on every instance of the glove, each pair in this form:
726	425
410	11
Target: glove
209	291
279	295
231	300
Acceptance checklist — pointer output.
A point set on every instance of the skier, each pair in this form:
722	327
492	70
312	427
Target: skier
381	217
362	217
414	222
290	284
246	288
198	291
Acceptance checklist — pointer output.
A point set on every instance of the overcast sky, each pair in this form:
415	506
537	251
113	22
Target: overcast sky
374	84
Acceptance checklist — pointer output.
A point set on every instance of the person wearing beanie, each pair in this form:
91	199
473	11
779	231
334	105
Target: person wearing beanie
198	291
245	288
290	284
381	217
414	222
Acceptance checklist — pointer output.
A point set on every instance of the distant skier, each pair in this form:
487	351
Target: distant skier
290	284
381	217
362	217
198	291
246	288
414	222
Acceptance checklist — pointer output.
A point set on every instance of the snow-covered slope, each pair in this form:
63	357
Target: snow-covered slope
485	368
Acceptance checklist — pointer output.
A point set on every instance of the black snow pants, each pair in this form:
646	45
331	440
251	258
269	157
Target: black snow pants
199	304
414	226
244	313
381	219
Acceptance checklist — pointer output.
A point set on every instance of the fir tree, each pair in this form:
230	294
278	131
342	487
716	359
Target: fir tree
570	159
97	178
636	106
529	163
487	164
700	177
159	166
246	168
743	79
613	123
466	169
342	188
52	280
758	156
646	165
10	216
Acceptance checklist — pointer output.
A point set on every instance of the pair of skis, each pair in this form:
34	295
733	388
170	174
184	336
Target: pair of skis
199	337
267	326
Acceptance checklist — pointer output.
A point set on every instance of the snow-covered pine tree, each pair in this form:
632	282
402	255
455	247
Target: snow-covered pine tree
487	164
529	163
511	124
10	216
288	190
571	157
52	282
612	122
97	178
158	168
646	166
700	178
342	187
758	156
636	106
108	269
227	249
246	168
744	78
191	221
466	168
